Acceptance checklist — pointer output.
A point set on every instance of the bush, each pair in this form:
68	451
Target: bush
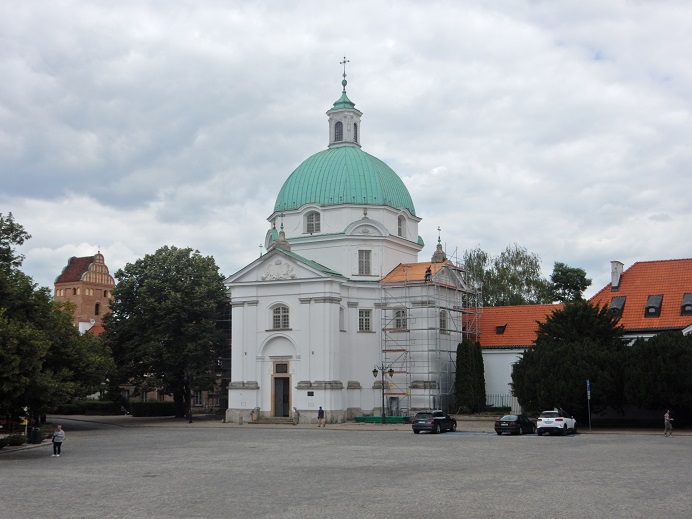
3	442
15	439
152	408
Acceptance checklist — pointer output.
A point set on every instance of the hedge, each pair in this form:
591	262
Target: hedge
152	408
90	407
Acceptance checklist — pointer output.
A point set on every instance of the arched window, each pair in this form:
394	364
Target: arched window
339	131
401	228
280	319
400	319
443	321
97	308
312	222
355	132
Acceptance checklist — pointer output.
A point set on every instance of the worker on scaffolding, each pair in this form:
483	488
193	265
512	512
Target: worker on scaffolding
428	274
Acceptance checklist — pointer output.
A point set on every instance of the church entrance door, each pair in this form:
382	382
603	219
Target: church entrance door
281	397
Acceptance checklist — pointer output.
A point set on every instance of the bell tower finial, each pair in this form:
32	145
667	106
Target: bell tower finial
344	119
344	74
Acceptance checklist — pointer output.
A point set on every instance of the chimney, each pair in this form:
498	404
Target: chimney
615	275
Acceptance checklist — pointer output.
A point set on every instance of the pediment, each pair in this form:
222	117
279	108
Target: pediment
366	227
274	267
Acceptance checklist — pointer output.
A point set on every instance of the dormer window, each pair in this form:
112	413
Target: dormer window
312	222
500	330
653	306
338	131
617	306
355	132
686	307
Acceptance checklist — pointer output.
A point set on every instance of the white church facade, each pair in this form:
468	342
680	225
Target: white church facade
339	313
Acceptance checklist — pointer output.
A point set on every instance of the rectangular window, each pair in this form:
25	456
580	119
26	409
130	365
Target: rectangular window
364	262
280	318
197	398
281	368
364	320
400	319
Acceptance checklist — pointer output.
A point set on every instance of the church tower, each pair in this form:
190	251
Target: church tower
87	284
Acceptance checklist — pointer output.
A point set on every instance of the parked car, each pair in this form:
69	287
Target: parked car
434	421
515	424
556	421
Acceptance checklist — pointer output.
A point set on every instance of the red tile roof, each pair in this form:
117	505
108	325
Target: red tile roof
412	272
669	278
96	330
75	269
519	323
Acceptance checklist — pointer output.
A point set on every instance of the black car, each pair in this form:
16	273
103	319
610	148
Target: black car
515	424
433	421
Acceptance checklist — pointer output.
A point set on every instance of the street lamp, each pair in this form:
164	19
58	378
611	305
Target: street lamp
383	369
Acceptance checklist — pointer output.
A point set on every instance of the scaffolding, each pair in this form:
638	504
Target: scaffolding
423	321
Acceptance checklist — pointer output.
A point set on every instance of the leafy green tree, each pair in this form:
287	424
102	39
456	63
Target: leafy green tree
568	283
43	359
470	377
658	373
511	278
163	322
579	342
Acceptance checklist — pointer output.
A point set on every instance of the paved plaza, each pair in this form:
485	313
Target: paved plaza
140	468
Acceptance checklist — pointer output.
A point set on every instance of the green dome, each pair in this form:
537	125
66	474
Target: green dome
343	175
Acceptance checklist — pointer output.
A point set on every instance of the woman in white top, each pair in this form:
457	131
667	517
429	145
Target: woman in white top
58	437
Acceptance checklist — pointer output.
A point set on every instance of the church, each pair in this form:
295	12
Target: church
339	313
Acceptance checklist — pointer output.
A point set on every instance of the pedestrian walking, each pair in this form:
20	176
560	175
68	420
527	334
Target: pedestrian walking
320	418
667	424
58	438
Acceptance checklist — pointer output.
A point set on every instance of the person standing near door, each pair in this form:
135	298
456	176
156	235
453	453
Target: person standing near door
321	422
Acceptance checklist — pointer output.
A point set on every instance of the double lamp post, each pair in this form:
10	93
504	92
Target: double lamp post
383	369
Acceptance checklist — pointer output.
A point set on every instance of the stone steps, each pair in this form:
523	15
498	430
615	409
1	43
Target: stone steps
276	420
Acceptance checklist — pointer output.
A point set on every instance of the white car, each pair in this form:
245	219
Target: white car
555	422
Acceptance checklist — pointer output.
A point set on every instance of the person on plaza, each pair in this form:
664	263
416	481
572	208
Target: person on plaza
667	424
58	438
320	418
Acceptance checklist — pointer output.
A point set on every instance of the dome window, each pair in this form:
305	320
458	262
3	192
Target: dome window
312	222
339	131
401	228
364	262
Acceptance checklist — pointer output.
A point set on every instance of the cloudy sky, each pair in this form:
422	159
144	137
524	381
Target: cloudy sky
565	127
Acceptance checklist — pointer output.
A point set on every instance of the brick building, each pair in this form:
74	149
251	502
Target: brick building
87	284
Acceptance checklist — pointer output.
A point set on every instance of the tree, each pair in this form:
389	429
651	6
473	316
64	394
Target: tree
568	283
163	322
511	278
470	377
579	342
658	373
43	359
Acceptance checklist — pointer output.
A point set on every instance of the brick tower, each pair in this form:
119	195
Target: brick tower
87	284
